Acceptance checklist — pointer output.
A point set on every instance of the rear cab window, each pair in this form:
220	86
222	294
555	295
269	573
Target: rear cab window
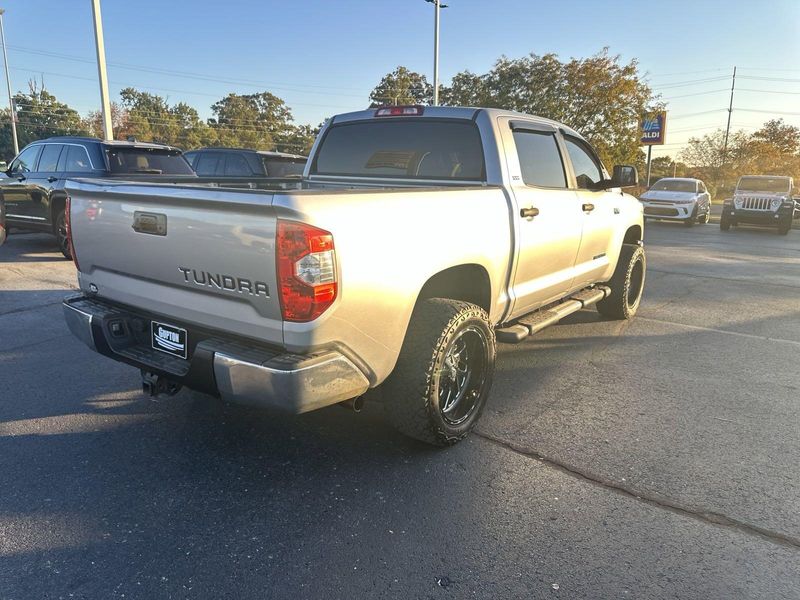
155	161
278	166
414	148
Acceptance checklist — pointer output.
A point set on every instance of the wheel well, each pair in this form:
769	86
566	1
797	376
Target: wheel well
469	283
56	204
633	235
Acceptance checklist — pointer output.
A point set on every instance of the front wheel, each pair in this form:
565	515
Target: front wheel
627	284
439	387
61	234
724	222
705	218
784	228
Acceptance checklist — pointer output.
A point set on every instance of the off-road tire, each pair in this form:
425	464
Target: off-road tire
60	231
411	393
783	229
627	284
724	222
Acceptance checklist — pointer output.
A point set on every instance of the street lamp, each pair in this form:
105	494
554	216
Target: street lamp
108	132
437	5
8	83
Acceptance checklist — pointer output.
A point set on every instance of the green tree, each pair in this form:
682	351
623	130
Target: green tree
39	115
402	86
600	97
119	122
150	118
256	121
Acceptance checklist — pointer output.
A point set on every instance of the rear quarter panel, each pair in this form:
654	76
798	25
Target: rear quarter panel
388	244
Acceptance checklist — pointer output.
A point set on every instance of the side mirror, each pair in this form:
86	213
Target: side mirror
624	176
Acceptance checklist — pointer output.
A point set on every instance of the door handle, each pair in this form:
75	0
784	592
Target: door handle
528	213
587	207
21	178
51	179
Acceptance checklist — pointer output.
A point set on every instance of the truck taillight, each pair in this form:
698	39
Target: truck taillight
68	225
399	111
306	265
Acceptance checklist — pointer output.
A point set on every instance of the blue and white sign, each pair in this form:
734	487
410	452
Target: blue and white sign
653	129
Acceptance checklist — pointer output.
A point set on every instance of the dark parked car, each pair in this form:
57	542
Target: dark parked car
241	162
33	191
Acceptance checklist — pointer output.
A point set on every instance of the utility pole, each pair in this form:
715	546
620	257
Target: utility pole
437	6
108	131
730	111
8	83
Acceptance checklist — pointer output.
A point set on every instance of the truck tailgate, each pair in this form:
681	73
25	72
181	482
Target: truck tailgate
202	256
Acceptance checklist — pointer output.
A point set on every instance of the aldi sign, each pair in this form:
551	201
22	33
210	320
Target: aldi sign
653	129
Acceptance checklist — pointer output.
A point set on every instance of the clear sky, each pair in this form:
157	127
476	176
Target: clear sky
325	56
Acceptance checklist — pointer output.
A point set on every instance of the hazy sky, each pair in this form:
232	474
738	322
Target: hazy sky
324	57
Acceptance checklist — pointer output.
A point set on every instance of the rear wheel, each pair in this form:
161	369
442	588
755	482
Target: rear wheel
444	373
61	234
626	284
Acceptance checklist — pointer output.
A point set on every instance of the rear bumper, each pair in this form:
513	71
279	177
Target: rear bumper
235	370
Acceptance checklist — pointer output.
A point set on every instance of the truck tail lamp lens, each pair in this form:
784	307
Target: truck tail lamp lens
68	226
399	111
306	265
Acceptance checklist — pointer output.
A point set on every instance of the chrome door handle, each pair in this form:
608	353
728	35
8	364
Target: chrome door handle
51	179
528	213
587	207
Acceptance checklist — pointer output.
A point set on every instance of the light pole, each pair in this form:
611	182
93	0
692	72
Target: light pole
437	5
108	132
8	83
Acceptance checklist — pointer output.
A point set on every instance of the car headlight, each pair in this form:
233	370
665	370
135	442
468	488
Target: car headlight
776	203
737	202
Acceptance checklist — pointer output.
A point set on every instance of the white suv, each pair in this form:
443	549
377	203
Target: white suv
677	199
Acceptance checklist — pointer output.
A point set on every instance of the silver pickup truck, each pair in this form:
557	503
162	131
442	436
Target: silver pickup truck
421	236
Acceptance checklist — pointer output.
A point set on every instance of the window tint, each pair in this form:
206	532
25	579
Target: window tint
236	166
402	148
587	171
48	163
26	162
190	157
674	185
77	160
540	159
208	164
156	161
283	167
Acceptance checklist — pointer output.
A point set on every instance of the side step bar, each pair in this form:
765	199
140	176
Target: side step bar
536	321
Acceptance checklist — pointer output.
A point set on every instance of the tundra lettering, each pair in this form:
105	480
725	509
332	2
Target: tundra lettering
225	282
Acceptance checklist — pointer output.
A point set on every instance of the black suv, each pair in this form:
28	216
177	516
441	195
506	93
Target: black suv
34	193
241	162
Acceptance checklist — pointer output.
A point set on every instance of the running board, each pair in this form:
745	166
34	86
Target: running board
536	321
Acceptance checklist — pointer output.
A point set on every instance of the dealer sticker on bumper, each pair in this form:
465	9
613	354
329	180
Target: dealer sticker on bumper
169	339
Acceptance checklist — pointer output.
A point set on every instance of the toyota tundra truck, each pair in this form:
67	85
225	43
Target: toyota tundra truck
421	237
761	200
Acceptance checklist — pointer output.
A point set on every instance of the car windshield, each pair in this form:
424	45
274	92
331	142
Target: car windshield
674	185
403	149
763	184
279	166
156	161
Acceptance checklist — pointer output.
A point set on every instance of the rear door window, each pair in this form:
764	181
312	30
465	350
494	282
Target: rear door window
402	149
236	166
540	159
77	159
48	163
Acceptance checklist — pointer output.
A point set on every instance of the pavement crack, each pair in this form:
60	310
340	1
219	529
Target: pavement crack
664	503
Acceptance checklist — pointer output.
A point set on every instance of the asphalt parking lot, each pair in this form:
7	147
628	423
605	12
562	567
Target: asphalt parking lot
656	458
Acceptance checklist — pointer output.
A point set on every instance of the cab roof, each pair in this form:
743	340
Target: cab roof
452	112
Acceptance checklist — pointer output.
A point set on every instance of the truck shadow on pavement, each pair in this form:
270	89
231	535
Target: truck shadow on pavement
26	247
